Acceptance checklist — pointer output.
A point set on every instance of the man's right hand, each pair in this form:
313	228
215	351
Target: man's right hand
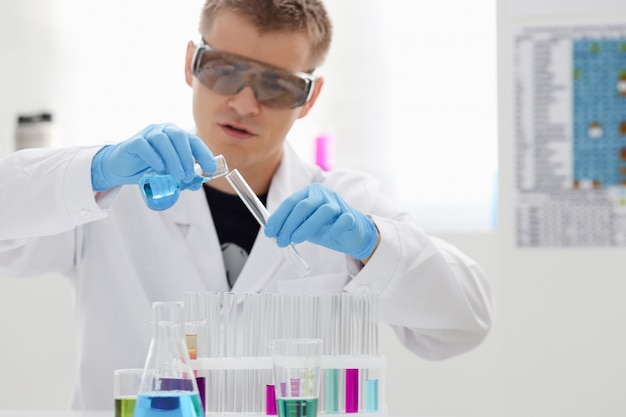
164	148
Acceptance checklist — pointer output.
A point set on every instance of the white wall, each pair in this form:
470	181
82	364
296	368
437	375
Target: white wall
561	311
104	69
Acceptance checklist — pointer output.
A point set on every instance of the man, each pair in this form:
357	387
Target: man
252	75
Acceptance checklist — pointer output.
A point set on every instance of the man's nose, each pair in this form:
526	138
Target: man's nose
244	101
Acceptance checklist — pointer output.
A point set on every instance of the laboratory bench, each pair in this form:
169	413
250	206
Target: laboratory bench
69	413
66	413
56	413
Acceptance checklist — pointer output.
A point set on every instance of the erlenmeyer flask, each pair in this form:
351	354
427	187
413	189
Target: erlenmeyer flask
168	386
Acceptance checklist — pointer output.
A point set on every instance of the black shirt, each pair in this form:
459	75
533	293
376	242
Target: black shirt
236	229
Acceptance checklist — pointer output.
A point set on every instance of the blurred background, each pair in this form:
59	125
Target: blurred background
399	76
421	95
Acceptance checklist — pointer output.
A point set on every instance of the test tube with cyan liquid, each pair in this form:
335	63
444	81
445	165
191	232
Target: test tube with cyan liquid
160	191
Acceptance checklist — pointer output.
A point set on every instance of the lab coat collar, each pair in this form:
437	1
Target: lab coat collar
292	175
192	217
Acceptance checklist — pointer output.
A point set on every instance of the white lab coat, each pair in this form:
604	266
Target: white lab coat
122	257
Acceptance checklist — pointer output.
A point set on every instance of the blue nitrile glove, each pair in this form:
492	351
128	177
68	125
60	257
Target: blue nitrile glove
319	215
160	148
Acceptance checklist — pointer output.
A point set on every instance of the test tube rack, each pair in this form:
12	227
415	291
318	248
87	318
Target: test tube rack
238	385
228	337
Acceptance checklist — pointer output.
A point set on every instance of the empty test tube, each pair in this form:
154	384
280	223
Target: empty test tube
261	215
229	347
215	385
160	191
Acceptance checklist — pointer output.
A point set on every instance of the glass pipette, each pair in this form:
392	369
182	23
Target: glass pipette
160	191
261	215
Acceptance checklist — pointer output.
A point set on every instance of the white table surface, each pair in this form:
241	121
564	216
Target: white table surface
56	413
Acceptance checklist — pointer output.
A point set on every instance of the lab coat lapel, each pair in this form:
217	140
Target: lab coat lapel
192	217
264	260
292	175
179	213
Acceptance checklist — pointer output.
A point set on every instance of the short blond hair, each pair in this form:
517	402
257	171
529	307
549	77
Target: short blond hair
302	16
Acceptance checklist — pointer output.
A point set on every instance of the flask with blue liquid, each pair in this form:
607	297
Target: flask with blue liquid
168	385
161	191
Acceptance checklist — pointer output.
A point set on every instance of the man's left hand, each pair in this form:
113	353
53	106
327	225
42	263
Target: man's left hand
319	215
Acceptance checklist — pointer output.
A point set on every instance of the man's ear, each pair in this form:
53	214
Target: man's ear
317	88
191	48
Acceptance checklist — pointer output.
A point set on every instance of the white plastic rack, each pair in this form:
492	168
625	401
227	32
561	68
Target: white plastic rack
253	372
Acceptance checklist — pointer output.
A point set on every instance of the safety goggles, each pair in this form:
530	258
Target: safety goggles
228	74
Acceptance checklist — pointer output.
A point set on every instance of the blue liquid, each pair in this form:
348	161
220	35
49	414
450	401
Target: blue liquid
161	191
332	391
371	395
168	405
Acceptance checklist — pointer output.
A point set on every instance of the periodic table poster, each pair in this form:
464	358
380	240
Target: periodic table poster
570	133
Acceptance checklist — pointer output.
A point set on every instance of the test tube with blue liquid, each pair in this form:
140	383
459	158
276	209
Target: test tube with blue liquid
160	191
370	348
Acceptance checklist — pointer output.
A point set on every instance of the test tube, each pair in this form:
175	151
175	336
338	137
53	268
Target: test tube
159	191
253	331
330	325
248	344
261	215
196	335
308	317
215	386
371	349
196	324
358	337
230	348
348	335
214	304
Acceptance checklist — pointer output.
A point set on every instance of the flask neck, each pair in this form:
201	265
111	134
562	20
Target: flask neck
168	331
168	360
167	320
